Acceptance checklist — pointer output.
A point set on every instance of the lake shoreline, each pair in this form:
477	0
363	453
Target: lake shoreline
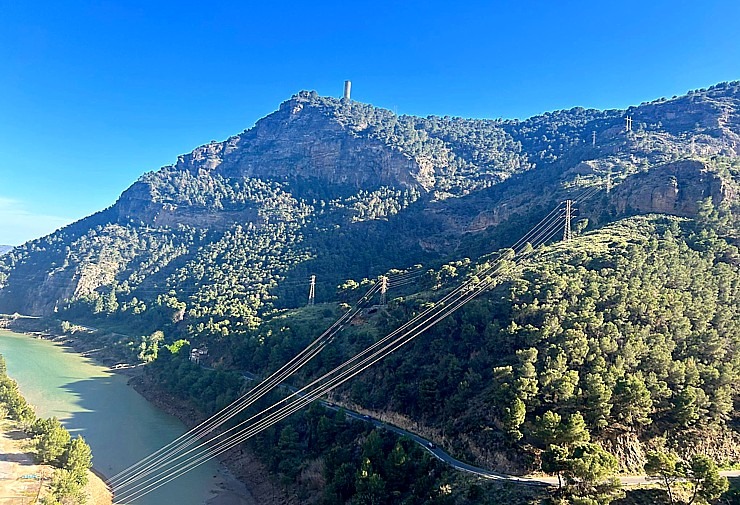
242	463
245	480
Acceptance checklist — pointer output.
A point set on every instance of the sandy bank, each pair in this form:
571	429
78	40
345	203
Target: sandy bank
21	479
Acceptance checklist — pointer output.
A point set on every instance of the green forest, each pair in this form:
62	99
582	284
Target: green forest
615	351
623	337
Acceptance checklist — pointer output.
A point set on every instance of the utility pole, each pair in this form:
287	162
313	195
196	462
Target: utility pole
628	125
593	139
312	290
567	235
383	289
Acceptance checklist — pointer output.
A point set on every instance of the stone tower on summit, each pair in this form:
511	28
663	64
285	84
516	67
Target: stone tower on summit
347	89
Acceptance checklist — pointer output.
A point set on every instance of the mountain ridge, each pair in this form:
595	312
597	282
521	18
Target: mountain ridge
320	168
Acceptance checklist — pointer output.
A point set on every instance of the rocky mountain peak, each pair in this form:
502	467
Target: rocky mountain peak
709	118
312	138
319	170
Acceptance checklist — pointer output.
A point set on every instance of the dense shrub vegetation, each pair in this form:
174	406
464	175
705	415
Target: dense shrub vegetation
632	329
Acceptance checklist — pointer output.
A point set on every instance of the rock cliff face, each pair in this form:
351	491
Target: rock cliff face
140	204
333	145
302	141
674	188
712	113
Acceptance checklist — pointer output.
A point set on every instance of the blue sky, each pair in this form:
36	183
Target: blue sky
95	93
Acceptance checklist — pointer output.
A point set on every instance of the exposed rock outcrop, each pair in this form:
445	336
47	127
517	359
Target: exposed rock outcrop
674	188
302	141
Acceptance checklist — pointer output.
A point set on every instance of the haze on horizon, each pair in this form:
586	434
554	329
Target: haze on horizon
96	95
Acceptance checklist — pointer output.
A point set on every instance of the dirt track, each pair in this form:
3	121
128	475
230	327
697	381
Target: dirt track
20	478
22	481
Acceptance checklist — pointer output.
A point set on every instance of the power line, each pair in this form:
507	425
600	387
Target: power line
144	467
302	400
546	232
312	290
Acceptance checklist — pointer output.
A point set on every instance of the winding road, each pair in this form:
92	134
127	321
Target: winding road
441	455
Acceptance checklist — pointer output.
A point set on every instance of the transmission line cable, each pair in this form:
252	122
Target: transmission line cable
534	236
246	400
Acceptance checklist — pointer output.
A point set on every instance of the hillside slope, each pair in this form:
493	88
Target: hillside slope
626	335
347	190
